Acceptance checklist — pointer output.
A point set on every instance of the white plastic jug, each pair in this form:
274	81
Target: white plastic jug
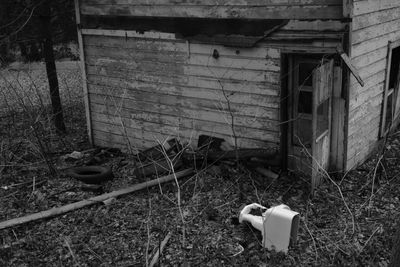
278	225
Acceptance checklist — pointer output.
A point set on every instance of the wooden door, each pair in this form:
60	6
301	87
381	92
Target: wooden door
321	120
309	109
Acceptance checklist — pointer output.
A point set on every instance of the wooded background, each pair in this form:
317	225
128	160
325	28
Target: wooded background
20	30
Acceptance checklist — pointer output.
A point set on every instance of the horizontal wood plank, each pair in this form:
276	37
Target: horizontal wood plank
107	139
314	43
152	132
315	25
176	73
245	3
144	43
138	128
167	113
375	18
357	114
370	6
366	96
371	45
373	82
159	105
304	9
133	58
375	30
194	85
372	57
148	91
369	70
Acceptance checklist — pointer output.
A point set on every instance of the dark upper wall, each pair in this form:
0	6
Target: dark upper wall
224	9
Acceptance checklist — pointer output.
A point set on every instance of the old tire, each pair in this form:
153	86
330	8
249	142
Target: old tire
91	174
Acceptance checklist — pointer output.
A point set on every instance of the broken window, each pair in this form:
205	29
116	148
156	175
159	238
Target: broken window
303	103
305	73
389	110
391	103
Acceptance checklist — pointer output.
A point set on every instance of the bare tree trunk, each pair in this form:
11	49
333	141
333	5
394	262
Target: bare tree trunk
395	258
45	18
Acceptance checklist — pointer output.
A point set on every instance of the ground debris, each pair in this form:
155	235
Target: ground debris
204	231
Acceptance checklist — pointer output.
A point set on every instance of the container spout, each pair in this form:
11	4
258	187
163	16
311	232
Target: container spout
278	225
256	221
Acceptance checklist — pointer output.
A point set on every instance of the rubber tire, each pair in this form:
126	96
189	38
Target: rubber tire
91	174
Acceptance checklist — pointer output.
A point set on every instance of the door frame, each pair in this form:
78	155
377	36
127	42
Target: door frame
287	60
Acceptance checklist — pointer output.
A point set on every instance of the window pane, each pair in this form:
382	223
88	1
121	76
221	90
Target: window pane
305	73
305	102
322	117
394	67
389	110
303	132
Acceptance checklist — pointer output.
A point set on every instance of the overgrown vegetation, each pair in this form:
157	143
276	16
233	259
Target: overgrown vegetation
202	218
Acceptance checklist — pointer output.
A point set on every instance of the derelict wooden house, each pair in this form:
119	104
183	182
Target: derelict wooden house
285	70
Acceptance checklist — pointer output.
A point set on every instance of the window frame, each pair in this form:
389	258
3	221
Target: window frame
300	87
393	92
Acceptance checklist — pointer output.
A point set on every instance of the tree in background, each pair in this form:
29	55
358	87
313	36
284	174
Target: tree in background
45	19
32	26
19	27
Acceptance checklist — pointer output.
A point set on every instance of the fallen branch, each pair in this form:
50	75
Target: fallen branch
159	251
91	201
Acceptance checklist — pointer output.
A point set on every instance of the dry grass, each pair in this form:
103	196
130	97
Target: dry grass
24	87
129	231
28	138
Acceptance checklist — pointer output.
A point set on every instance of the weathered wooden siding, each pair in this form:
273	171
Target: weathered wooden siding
249	9
145	89
375	23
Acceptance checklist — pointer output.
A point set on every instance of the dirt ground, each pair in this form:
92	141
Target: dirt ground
349	222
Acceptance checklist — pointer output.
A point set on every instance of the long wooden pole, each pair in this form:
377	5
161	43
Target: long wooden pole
91	201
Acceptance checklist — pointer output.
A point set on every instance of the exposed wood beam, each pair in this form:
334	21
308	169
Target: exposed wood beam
350	65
